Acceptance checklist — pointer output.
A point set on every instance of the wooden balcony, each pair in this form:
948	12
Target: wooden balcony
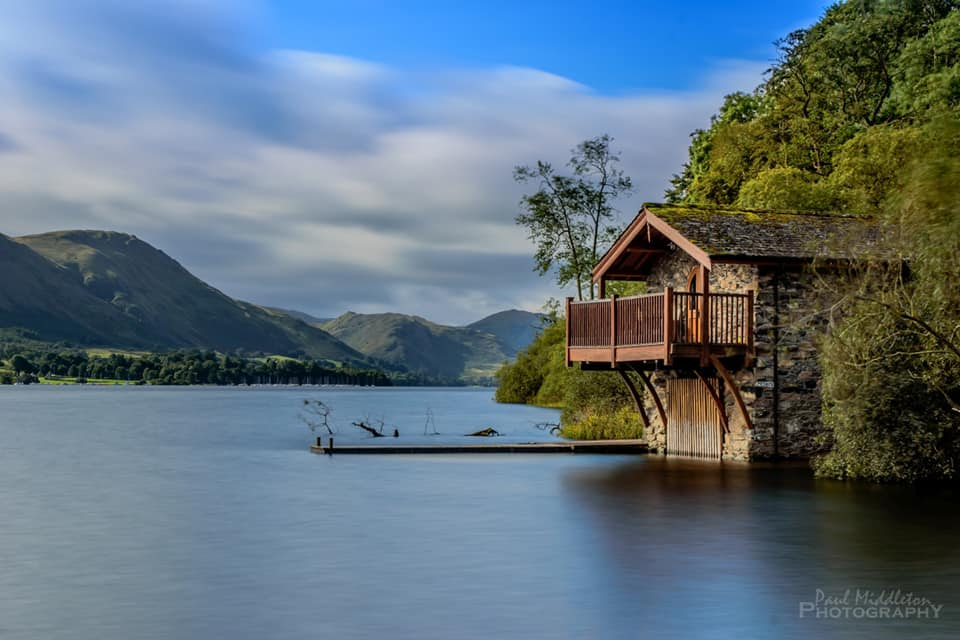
660	329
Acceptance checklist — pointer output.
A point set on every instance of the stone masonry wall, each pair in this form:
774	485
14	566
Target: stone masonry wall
738	442
787	403
672	270
781	387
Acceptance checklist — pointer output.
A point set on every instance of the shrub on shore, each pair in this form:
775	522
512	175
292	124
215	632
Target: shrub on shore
595	404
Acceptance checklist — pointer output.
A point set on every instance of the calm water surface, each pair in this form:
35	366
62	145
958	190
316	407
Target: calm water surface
199	513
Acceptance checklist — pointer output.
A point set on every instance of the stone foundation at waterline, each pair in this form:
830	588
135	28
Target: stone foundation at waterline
780	387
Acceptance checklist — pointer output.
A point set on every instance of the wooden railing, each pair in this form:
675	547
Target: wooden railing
731	318
661	318
637	320
640	320
589	323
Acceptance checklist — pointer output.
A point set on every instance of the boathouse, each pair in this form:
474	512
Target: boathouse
723	346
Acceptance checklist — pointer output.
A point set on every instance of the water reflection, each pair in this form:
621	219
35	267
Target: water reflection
199	513
695	543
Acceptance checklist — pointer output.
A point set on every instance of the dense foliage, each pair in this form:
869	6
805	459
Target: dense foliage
836	103
596	404
861	114
174	368
892	362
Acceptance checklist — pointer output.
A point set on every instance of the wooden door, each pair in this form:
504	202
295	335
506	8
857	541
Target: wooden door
694	427
693	323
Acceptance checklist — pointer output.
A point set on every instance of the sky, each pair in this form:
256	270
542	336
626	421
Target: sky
352	155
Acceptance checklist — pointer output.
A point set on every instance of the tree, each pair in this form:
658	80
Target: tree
720	157
929	70
569	217
891	382
861	113
20	364
866	63
868	168
786	188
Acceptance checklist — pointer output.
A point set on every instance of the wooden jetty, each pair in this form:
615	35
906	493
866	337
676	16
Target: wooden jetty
621	447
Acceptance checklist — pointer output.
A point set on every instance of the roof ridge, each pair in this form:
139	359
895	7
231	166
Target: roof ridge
732	209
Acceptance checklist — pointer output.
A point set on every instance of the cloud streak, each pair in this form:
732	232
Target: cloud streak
303	179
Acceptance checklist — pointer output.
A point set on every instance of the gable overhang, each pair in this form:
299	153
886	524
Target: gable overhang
645	236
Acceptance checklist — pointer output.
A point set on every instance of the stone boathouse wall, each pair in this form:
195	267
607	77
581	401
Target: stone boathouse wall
781	386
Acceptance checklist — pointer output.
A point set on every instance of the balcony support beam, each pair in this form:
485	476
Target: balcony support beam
734	391
637	400
653	392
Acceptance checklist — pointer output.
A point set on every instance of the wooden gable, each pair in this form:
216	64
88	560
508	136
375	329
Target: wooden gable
712	234
640	246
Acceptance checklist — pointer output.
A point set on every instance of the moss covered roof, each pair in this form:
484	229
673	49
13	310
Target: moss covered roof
751	233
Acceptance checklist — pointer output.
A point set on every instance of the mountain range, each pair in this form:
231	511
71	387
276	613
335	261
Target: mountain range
113	290
419	345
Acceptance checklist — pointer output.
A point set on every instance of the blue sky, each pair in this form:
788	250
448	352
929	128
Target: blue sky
328	156
612	47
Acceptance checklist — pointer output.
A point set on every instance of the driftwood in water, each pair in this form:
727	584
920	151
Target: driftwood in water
552	427
368	429
485	433
430	423
317	415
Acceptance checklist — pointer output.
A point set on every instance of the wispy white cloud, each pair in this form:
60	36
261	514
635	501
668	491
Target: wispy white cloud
303	179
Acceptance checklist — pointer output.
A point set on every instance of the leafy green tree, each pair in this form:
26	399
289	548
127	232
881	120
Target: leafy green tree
861	113
786	188
864	64
534	377
892	361
20	364
721	156
869	168
595	404
928	70
570	217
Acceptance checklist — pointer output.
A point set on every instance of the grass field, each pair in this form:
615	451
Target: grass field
95	352
62	380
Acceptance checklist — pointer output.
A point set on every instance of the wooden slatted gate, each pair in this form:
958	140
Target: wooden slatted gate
694	427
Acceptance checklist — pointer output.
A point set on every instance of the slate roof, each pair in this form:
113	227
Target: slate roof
746	233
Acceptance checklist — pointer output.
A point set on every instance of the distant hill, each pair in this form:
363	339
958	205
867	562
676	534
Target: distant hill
443	352
48	299
300	315
515	329
111	289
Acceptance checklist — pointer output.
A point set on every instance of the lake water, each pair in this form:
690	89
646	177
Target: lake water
199	513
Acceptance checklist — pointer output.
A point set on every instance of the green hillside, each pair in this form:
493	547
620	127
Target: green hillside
515	329
39	295
447	353
111	289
